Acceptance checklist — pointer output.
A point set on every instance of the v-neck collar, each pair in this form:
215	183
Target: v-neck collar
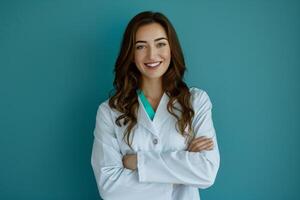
148	107
160	116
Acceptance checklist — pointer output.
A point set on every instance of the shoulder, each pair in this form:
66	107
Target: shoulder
199	98
104	107
104	110
198	94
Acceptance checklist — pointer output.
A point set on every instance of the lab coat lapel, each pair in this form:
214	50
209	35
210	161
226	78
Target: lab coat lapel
144	120
161	114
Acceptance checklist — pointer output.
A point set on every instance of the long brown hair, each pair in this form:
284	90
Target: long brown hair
127	77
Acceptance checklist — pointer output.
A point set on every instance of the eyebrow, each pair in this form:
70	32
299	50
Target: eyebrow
157	39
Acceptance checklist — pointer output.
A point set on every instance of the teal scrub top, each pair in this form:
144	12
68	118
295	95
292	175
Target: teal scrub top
146	104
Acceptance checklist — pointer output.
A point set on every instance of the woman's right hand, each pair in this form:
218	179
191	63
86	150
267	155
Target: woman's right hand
200	144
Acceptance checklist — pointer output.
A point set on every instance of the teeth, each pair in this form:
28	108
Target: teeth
153	64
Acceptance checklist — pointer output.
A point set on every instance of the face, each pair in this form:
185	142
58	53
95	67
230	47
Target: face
152	54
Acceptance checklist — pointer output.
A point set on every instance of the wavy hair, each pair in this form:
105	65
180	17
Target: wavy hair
128	78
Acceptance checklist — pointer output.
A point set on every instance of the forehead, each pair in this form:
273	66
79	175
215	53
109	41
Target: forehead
150	32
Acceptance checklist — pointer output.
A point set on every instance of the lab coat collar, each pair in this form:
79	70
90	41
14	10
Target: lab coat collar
160	116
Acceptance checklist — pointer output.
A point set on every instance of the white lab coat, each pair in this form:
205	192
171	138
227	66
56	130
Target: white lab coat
165	170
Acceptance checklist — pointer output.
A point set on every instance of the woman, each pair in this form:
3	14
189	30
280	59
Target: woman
154	138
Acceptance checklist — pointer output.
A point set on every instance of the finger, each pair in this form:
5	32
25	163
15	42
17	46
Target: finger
200	138
201	146
197	146
211	147
199	142
196	139
208	146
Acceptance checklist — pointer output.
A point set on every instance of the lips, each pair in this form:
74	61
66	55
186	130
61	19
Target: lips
153	64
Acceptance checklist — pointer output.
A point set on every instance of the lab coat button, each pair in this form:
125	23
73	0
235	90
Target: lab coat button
155	141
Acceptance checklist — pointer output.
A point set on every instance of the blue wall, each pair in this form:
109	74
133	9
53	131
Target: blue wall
56	62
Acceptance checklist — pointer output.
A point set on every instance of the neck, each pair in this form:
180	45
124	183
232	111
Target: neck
152	88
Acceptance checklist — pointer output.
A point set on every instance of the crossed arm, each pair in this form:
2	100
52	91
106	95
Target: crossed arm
197	145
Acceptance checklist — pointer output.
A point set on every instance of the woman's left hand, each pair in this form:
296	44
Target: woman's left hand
130	161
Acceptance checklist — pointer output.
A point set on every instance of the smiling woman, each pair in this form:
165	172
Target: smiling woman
152	53
154	138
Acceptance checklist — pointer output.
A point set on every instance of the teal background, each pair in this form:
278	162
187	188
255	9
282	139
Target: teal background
56	62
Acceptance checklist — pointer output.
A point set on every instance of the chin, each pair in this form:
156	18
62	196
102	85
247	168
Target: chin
153	76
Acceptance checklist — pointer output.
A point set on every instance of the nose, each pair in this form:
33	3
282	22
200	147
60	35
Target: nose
152	53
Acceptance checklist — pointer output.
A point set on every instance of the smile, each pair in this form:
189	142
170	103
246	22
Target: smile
154	64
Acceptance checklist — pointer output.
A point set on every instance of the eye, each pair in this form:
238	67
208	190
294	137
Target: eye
138	47
161	44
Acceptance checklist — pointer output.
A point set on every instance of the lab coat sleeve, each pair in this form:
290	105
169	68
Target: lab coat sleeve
113	180
198	169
